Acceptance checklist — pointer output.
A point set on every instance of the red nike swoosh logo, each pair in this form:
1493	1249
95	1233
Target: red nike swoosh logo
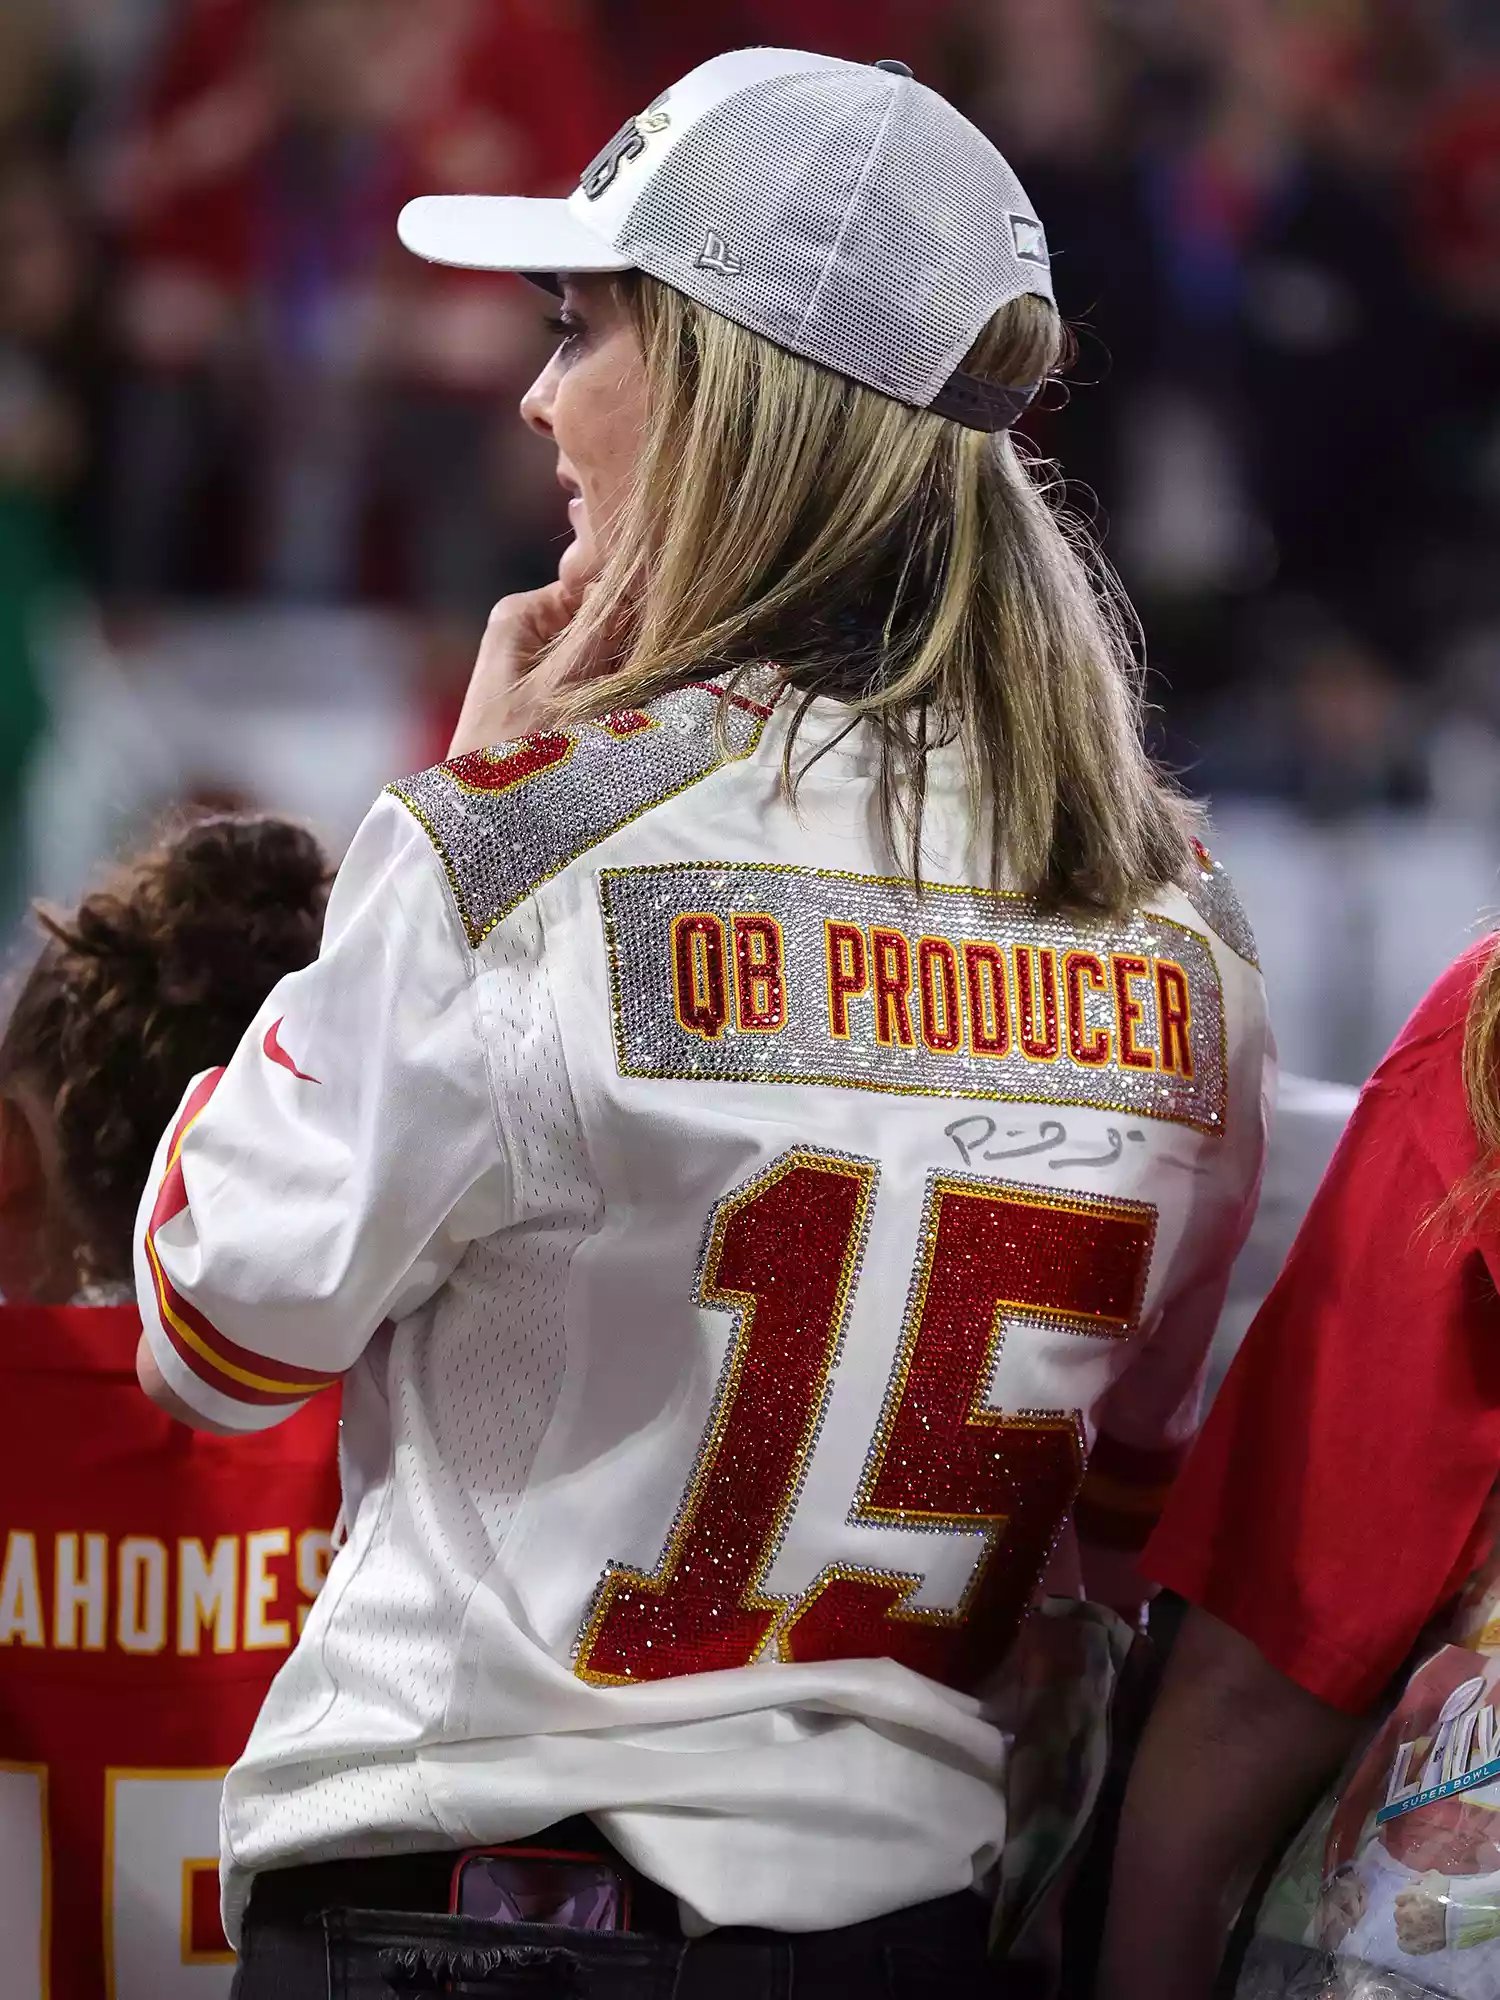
273	1048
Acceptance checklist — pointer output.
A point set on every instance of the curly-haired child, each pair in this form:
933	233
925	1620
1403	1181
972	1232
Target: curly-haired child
152	978
151	1581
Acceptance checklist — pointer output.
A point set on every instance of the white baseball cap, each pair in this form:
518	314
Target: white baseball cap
842	210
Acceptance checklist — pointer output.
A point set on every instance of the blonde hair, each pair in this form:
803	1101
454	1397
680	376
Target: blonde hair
1481	1072
913	569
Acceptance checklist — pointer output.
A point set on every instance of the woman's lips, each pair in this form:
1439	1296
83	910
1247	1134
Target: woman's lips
575	508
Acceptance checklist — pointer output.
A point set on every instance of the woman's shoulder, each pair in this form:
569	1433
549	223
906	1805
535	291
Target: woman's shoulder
504	820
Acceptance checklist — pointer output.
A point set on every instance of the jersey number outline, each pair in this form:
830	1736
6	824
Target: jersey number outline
161	1833
783	1255
160	1936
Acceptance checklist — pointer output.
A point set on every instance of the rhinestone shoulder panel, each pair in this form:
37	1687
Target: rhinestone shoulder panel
1212	893
507	819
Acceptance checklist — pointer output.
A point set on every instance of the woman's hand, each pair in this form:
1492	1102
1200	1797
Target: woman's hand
503	700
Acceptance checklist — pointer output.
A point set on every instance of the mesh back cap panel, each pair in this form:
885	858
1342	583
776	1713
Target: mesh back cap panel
806	169
843	211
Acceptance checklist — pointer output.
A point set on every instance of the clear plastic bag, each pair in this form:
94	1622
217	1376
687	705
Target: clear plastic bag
1392	1890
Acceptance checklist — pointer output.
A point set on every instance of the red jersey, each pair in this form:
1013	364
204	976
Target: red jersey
1333	1502
152	1580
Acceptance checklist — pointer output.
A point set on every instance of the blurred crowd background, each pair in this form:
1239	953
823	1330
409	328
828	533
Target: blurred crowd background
261	476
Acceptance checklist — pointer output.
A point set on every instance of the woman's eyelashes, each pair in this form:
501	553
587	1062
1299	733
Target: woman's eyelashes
568	328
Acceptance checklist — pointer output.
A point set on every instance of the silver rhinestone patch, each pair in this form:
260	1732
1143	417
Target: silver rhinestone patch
1210	890
679	1010
505	820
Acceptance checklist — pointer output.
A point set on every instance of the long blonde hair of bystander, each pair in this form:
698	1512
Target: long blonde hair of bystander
919	571
1482	1089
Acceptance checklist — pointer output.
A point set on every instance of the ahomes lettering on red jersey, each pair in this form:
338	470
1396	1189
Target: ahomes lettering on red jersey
151	1584
76	1590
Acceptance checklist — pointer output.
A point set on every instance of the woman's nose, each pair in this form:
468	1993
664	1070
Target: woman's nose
536	404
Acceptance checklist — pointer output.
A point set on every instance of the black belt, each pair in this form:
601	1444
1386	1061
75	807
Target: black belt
423	1883
384	1922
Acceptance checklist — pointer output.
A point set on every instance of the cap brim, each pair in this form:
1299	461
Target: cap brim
503	232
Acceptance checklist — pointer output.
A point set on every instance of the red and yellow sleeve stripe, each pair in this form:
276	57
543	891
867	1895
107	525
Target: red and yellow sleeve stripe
212	1356
1123	1493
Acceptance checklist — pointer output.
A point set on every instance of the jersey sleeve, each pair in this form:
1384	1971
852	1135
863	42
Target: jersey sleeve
328	1178
1329	1508
1146	1426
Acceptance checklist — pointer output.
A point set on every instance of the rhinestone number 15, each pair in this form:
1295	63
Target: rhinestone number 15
783	1256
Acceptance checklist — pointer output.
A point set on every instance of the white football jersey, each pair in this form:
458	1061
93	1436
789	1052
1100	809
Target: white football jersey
1307	1122
732	1258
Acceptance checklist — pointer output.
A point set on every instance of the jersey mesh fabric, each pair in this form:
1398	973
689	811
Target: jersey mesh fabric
925	241
458	1399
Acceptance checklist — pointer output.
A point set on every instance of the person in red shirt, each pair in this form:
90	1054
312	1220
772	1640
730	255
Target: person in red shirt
1336	1500
151	1581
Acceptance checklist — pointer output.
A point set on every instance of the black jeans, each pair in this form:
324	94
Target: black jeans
933	1952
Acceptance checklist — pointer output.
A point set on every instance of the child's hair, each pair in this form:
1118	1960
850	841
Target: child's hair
154	977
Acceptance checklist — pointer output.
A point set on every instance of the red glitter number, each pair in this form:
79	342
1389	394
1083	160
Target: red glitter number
942	1460
487	771
783	1254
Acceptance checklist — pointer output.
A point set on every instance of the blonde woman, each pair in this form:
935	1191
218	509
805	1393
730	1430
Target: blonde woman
775	1102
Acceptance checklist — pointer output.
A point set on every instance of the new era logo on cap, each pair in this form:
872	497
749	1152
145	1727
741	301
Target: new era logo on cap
1030	241
716	255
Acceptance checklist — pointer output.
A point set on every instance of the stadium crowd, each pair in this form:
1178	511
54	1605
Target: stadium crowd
1276	228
